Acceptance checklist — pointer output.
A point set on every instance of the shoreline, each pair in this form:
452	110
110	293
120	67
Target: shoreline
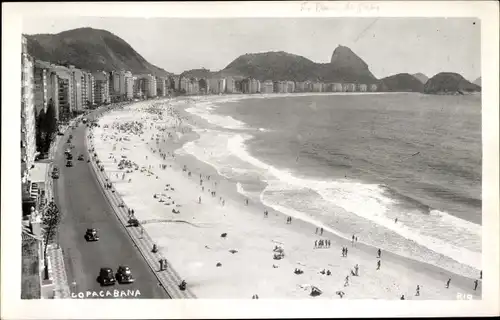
304	230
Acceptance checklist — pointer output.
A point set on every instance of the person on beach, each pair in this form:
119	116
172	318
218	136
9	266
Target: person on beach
396	220
481	274
378	265
343	251
316	230
379	252
315	244
321	231
417	293
246	202
356	270
346	251
346	281
476	282
199	199
353	238
403	297
448	283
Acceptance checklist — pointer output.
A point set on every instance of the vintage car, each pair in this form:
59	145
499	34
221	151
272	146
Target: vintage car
91	235
124	275
55	174
106	277
80	157
69	156
133	222
69	163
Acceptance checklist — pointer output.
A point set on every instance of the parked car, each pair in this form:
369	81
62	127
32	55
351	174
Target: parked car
91	235
60	133
69	163
80	157
55	174
69	156
124	275
133	222
106	277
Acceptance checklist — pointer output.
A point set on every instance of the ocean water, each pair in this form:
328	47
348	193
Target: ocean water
354	163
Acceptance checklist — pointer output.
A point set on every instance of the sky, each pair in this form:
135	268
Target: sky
387	45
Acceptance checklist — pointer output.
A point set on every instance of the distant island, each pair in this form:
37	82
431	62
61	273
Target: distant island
94	50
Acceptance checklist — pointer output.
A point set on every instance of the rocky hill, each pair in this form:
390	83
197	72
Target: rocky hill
402	82
345	66
273	66
90	49
422	77
478	81
448	82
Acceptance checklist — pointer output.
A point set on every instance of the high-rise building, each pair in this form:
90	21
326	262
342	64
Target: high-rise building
101	87
267	87
137	88
28	141
88	89
41	72
230	85
64	97
76	92
373	87
161	89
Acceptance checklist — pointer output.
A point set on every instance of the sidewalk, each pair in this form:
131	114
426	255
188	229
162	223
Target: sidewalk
58	271
169	278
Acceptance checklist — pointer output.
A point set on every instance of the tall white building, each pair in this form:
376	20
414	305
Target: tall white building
28	141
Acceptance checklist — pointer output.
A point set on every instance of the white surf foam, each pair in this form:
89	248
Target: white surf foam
368	202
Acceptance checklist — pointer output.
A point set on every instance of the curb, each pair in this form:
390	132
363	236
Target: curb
169	278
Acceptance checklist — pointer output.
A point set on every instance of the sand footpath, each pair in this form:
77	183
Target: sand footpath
225	248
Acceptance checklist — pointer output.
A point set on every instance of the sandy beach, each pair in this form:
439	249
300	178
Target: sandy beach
226	248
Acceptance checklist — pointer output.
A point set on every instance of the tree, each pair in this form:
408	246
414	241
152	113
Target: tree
51	219
49	125
39	136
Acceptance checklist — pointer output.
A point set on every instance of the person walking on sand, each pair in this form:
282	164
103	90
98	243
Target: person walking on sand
356	270
315	244
378	265
379	252
199	199
321	231
417	293
316	230
246	202
343	252
396	220
346	282
448	283
475	284
353	238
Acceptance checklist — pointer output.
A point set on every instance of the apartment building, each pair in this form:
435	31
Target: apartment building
64	97
290	86
213	86
267	87
317	87
76	76
161	89
41	72
28	141
230	85
101	87
88	89
362	87
114	85
129	87
373	87
137	87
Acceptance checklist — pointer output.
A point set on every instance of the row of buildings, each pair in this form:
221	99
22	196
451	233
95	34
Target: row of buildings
195	86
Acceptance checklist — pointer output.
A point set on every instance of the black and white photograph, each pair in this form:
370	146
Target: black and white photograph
338	154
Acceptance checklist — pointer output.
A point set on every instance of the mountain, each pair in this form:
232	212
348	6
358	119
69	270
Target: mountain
272	66
197	73
448	82
402	82
422	77
478	81
90	49
345	66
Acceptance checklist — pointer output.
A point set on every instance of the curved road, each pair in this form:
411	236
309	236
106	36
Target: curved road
83	205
